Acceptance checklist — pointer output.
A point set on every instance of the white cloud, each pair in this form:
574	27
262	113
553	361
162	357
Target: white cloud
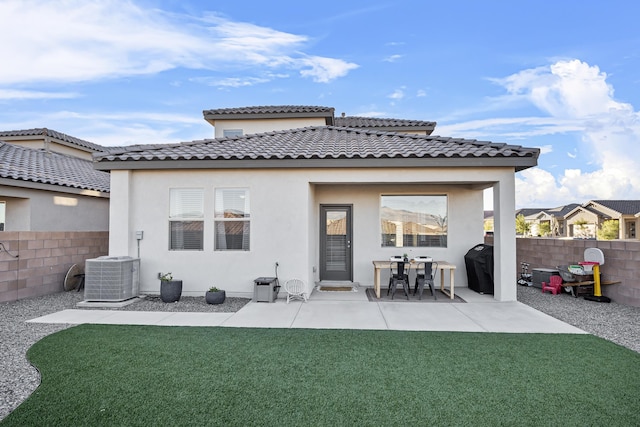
230	81
392	58
324	70
97	40
577	93
397	94
34	94
122	128
546	149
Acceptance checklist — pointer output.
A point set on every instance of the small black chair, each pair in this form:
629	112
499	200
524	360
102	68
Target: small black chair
398	274
425	272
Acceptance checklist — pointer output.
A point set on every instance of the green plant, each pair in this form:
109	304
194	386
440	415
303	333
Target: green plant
214	289
522	226
609	230
166	277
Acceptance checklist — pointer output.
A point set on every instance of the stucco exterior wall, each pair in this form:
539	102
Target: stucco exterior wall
285	221
251	126
40	210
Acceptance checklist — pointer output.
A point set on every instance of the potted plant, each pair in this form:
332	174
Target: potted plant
170	290
215	295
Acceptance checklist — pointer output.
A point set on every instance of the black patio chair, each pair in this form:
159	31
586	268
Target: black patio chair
425	272
398	274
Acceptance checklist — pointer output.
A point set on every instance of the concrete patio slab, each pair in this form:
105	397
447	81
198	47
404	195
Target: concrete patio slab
515	317
265	315
427	317
340	315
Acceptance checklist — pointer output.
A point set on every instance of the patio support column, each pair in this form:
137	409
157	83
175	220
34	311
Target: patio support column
504	272
119	213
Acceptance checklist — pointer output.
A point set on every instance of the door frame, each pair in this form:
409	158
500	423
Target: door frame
348	208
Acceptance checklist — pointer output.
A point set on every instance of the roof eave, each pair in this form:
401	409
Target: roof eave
518	164
327	115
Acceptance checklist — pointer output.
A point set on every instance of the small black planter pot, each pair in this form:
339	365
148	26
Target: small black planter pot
170	290
215	297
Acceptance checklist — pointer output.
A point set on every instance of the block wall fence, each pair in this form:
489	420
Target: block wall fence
43	259
621	261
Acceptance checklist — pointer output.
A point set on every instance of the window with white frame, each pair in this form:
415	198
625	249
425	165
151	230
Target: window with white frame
227	133
186	219
409	221
232	219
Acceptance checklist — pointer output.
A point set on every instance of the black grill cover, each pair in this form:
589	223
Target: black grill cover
479	263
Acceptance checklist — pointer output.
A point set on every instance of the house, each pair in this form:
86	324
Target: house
48	183
584	220
320	196
54	210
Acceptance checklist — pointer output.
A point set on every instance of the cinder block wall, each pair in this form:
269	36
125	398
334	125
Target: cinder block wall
44	259
622	261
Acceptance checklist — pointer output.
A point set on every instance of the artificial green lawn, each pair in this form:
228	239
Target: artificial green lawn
96	375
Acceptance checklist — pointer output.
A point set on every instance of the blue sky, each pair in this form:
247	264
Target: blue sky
558	75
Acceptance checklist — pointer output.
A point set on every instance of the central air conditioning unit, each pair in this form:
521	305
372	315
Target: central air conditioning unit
111	279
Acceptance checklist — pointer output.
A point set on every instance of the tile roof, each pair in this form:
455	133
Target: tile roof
26	164
270	109
41	132
561	211
625	207
329	142
373	123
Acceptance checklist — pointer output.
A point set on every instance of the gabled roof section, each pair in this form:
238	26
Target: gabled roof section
29	165
61	137
269	112
624	207
389	125
561	211
587	208
529	211
322	146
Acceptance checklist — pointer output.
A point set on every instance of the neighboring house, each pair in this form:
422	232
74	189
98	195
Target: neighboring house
48	183
289	185
583	221
54	210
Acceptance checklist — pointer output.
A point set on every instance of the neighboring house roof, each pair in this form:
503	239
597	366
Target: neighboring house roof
561	211
39	166
269	112
41	132
529	211
588	209
323	146
624	207
385	124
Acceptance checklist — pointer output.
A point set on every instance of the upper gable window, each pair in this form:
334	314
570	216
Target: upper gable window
231	132
186	219
413	221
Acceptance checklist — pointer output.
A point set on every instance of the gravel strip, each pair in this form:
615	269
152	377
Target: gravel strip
18	379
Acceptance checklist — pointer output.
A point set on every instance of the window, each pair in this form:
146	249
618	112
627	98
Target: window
227	133
413	221
2	215
186	219
232	219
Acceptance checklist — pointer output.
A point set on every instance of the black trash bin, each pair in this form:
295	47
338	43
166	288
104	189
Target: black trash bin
479	263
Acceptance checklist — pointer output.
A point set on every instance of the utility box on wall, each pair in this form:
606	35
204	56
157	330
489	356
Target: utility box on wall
265	289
